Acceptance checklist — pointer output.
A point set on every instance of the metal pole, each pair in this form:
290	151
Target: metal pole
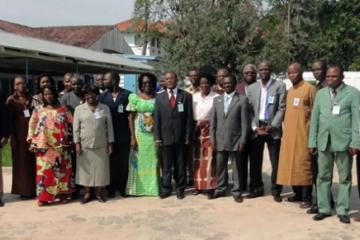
26	70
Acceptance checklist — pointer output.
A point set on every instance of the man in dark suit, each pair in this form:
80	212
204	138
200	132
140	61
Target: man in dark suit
249	77
267	107
116	98
173	129
228	133
4	135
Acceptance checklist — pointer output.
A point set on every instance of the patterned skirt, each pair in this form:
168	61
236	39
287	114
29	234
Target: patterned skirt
53	174
204	158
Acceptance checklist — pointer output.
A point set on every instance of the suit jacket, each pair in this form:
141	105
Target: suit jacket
228	131
92	131
71	101
4	124
276	110
171	125
342	129
119	118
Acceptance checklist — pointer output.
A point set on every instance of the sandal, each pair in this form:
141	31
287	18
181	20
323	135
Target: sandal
195	192
305	205
41	204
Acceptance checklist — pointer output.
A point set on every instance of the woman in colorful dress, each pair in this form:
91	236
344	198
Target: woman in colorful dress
23	161
93	136
204	158
143	177
49	131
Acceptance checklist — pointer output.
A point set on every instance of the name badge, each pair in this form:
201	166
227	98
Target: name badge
26	113
180	107
336	110
97	115
271	99
296	102
120	108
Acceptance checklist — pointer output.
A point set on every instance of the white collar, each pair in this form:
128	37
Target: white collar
173	90
230	95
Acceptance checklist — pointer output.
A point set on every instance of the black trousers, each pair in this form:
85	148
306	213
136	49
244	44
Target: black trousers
303	193
244	167
173	162
256	159
222	177
119	167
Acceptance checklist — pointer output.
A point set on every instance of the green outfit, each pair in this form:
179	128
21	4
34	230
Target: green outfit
334	129
143	171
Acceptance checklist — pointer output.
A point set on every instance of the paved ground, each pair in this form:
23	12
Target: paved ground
195	217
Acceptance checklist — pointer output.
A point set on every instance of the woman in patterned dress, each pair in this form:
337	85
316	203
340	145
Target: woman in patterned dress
143	171
49	131
204	159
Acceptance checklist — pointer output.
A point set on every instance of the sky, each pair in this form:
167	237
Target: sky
39	13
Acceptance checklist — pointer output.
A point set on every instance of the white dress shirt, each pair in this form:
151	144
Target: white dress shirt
202	106
263	100
227	100
174	92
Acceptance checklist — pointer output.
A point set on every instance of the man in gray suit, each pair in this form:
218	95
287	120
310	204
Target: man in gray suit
267	106
228	133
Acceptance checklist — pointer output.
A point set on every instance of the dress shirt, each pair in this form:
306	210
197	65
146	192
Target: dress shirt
227	100
263	100
174	92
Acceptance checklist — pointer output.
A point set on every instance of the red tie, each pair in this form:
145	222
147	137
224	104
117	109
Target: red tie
172	99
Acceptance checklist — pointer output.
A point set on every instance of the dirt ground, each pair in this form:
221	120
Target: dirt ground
195	217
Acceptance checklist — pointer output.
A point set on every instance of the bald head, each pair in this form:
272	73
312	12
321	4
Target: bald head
265	70
295	73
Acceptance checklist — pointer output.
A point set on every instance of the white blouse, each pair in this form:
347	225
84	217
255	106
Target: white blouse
202	106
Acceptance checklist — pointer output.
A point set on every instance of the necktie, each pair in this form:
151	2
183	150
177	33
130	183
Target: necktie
172	99
227	103
266	108
333	97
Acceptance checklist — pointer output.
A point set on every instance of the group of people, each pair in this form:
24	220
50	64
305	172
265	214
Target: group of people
84	139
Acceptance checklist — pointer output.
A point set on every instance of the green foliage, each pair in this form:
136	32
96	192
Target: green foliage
216	33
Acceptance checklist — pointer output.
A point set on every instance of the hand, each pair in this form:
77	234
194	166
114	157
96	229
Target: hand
187	141
241	147
353	151
158	143
260	131
109	149
312	151
78	149
267	130
3	142
134	143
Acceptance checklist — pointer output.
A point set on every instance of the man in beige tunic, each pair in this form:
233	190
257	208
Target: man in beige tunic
295	160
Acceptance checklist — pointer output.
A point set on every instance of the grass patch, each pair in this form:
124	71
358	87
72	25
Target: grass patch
6	156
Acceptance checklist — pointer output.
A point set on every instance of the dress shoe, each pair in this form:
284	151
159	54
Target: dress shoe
344	219
313	210
195	192
85	200
101	198
305	205
180	195
215	195
255	194
238	198
1	203
277	198
124	195
321	216
164	195
357	218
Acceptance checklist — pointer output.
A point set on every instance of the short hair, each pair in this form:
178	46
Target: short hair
91	90
171	72
268	62
250	65
114	75
232	78
55	101
209	77
78	77
52	81
297	63
323	63
338	66
68	74
151	77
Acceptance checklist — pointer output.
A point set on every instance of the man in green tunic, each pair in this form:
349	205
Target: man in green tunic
334	133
